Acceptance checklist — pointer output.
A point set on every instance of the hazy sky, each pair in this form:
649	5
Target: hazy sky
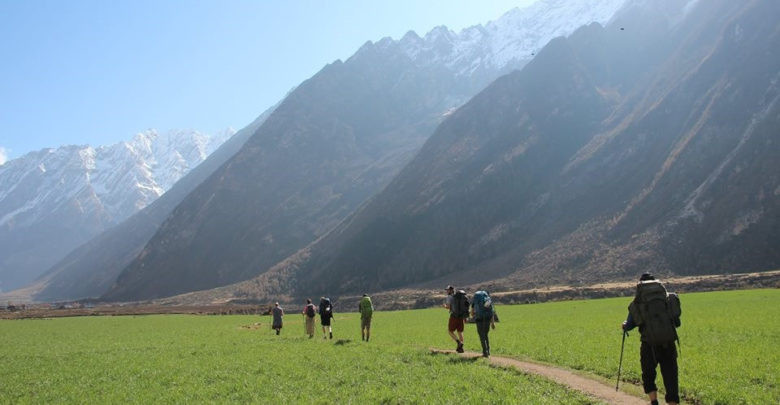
97	72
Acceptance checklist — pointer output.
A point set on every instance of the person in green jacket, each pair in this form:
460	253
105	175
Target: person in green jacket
366	312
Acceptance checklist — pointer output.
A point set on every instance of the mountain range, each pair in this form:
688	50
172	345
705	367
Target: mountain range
648	144
53	200
334	141
567	142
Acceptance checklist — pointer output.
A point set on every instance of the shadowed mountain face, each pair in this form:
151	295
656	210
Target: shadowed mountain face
55	199
649	145
91	269
336	140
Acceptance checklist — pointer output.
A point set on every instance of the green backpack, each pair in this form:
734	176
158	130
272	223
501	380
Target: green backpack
366	309
656	312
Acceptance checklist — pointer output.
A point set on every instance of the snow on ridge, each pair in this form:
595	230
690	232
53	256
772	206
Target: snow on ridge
515	36
113	181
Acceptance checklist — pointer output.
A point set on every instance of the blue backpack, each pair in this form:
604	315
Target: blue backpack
483	306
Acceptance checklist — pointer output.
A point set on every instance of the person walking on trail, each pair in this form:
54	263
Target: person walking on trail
458	306
657	314
484	317
277	313
326	316
366	309
309	312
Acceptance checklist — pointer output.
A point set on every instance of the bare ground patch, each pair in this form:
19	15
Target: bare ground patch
561	376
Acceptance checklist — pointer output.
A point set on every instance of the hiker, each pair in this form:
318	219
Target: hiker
366	309
326	316
277	313
484	317
657	314
309	312
458	305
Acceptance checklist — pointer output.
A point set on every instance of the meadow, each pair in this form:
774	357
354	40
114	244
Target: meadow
728	341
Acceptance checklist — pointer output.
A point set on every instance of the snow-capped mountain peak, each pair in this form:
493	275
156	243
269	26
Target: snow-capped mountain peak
111	181
514	37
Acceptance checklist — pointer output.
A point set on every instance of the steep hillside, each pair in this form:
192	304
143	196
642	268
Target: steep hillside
650	144
91	269
335	141
52	200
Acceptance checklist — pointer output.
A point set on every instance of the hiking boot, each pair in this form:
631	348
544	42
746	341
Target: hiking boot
331	335
460	347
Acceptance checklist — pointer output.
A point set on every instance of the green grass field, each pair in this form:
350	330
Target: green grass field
728	339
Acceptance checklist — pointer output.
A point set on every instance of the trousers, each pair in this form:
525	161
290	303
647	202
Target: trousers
666	356
483	328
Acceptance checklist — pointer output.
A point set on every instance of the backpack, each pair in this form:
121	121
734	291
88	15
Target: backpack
326	309
365	307
483	305
310	311
460	305
656	312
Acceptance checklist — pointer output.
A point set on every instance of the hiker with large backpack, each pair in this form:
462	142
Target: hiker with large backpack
657	314
277	313
458	305
484	317
309	312
326	316
366	309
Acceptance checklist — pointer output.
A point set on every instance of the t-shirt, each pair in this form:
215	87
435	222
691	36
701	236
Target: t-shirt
451	302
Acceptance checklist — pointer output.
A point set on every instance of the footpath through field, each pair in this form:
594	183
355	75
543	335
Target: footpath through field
561	376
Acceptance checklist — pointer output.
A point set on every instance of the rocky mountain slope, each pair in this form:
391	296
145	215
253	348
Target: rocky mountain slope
336	140
647	145
53	200
91	269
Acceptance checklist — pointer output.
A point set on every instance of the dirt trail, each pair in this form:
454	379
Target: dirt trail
565	377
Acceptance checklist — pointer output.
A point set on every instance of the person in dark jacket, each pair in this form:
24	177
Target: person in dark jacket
651	355
484	316
277	313
326	316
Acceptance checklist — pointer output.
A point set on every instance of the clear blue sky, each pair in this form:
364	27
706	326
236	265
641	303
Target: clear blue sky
97	72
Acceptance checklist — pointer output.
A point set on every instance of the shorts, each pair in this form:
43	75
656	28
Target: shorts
455	324
365	322
324	320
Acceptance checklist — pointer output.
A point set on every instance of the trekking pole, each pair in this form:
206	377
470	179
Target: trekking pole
620	365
